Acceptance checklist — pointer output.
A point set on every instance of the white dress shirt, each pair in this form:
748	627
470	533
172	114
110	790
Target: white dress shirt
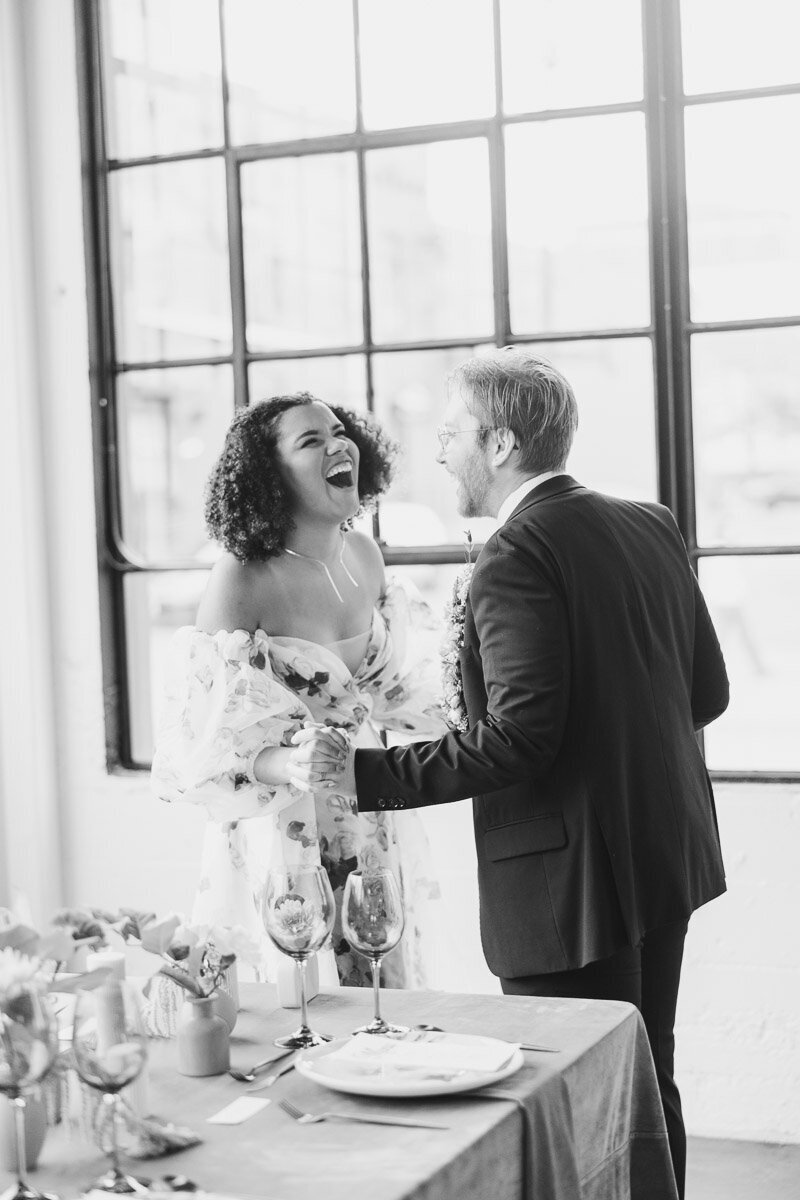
511	502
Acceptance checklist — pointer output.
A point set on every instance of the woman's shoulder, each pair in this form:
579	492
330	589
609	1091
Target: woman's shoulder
237	596
366	552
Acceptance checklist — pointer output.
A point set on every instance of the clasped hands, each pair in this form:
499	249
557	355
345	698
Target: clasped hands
323	759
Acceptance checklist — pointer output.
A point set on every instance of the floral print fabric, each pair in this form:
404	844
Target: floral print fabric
229	695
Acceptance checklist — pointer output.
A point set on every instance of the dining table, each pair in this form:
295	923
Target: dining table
581	1119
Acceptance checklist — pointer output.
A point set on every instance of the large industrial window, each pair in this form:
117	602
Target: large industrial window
351	197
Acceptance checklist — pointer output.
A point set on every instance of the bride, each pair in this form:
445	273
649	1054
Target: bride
298	627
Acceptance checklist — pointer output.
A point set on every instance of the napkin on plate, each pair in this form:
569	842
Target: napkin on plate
437	1053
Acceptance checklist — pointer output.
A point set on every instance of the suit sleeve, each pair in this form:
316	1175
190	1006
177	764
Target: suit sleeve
710	688
521	629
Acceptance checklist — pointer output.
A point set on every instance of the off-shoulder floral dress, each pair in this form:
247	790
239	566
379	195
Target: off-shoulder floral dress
231	694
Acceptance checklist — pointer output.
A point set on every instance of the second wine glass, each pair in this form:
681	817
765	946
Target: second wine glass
110	1046
373	921
298	911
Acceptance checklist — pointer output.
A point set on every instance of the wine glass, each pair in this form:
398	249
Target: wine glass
110	1046
373	920
28	1048
297	912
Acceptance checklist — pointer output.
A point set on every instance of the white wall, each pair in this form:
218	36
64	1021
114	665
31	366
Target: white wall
70	833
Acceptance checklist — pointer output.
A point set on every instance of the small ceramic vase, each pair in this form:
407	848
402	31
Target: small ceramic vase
35	1130
202	1038
225	1007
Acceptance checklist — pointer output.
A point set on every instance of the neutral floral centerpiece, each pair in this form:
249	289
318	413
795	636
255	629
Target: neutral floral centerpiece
199	959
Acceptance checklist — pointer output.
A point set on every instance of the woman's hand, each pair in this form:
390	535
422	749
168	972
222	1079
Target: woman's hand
319	759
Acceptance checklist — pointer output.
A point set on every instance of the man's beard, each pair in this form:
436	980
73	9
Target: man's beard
473	482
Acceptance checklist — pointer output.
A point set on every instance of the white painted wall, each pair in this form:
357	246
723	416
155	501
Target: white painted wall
71	833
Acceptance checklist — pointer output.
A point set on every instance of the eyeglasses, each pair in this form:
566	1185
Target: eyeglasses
446	436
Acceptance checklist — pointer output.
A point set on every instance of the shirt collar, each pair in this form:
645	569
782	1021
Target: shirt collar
519	494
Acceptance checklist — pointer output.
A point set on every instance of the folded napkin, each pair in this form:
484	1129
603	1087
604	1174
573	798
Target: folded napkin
430	1054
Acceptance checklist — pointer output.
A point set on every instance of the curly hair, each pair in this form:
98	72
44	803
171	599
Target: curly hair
247	504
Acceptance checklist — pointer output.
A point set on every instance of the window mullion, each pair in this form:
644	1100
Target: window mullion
233	191
669	259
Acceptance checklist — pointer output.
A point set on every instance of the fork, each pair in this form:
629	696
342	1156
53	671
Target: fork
305	1118
283	1069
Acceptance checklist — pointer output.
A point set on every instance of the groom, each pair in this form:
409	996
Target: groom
589	662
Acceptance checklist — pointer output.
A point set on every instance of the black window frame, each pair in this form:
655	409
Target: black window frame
670	329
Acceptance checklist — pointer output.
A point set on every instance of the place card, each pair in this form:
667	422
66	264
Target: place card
240	1110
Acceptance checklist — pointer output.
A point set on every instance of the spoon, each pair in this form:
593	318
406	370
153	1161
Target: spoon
249	1076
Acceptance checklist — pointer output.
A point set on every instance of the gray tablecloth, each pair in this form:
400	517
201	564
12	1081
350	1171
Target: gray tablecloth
583	1124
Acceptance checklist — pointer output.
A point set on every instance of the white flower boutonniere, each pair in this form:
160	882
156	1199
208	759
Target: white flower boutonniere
453	706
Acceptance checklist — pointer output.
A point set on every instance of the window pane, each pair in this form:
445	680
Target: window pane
551	59
302	252
615	446
422	63
163	82
171	426
577	224
155	606
743	199
735	46
430	241
420	509
341	380
170	261
746	403
291	71
754	604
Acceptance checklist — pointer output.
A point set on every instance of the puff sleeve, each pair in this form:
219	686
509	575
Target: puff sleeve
222	707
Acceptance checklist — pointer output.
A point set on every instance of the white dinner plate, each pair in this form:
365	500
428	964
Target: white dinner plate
314	1065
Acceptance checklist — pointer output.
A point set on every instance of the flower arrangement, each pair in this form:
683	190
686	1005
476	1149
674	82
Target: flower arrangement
19	973
46	955
196	957
453	705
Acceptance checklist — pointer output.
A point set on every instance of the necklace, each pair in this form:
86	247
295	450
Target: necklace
324	565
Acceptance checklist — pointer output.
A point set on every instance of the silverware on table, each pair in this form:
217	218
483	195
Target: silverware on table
282	1070
249	1076
541	1049
306	1118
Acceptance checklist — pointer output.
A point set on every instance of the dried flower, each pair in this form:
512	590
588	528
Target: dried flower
453	705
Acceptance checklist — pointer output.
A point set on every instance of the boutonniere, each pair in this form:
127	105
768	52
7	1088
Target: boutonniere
453	706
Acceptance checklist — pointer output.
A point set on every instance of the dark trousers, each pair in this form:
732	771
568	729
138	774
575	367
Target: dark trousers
648	976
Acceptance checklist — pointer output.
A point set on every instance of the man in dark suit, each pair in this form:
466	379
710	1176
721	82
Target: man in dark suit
589	662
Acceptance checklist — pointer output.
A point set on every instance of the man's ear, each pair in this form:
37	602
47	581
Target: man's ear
505	444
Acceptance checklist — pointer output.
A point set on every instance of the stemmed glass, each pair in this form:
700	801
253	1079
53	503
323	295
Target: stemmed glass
28	1048
373	920
110	1046
297	912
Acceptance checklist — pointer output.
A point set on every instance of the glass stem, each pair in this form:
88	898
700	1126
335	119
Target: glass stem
19	1129
301	966
376	986
110	1099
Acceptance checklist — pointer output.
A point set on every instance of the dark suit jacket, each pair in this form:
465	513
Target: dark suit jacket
589	662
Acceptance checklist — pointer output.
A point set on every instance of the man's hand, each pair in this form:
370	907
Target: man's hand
323	759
